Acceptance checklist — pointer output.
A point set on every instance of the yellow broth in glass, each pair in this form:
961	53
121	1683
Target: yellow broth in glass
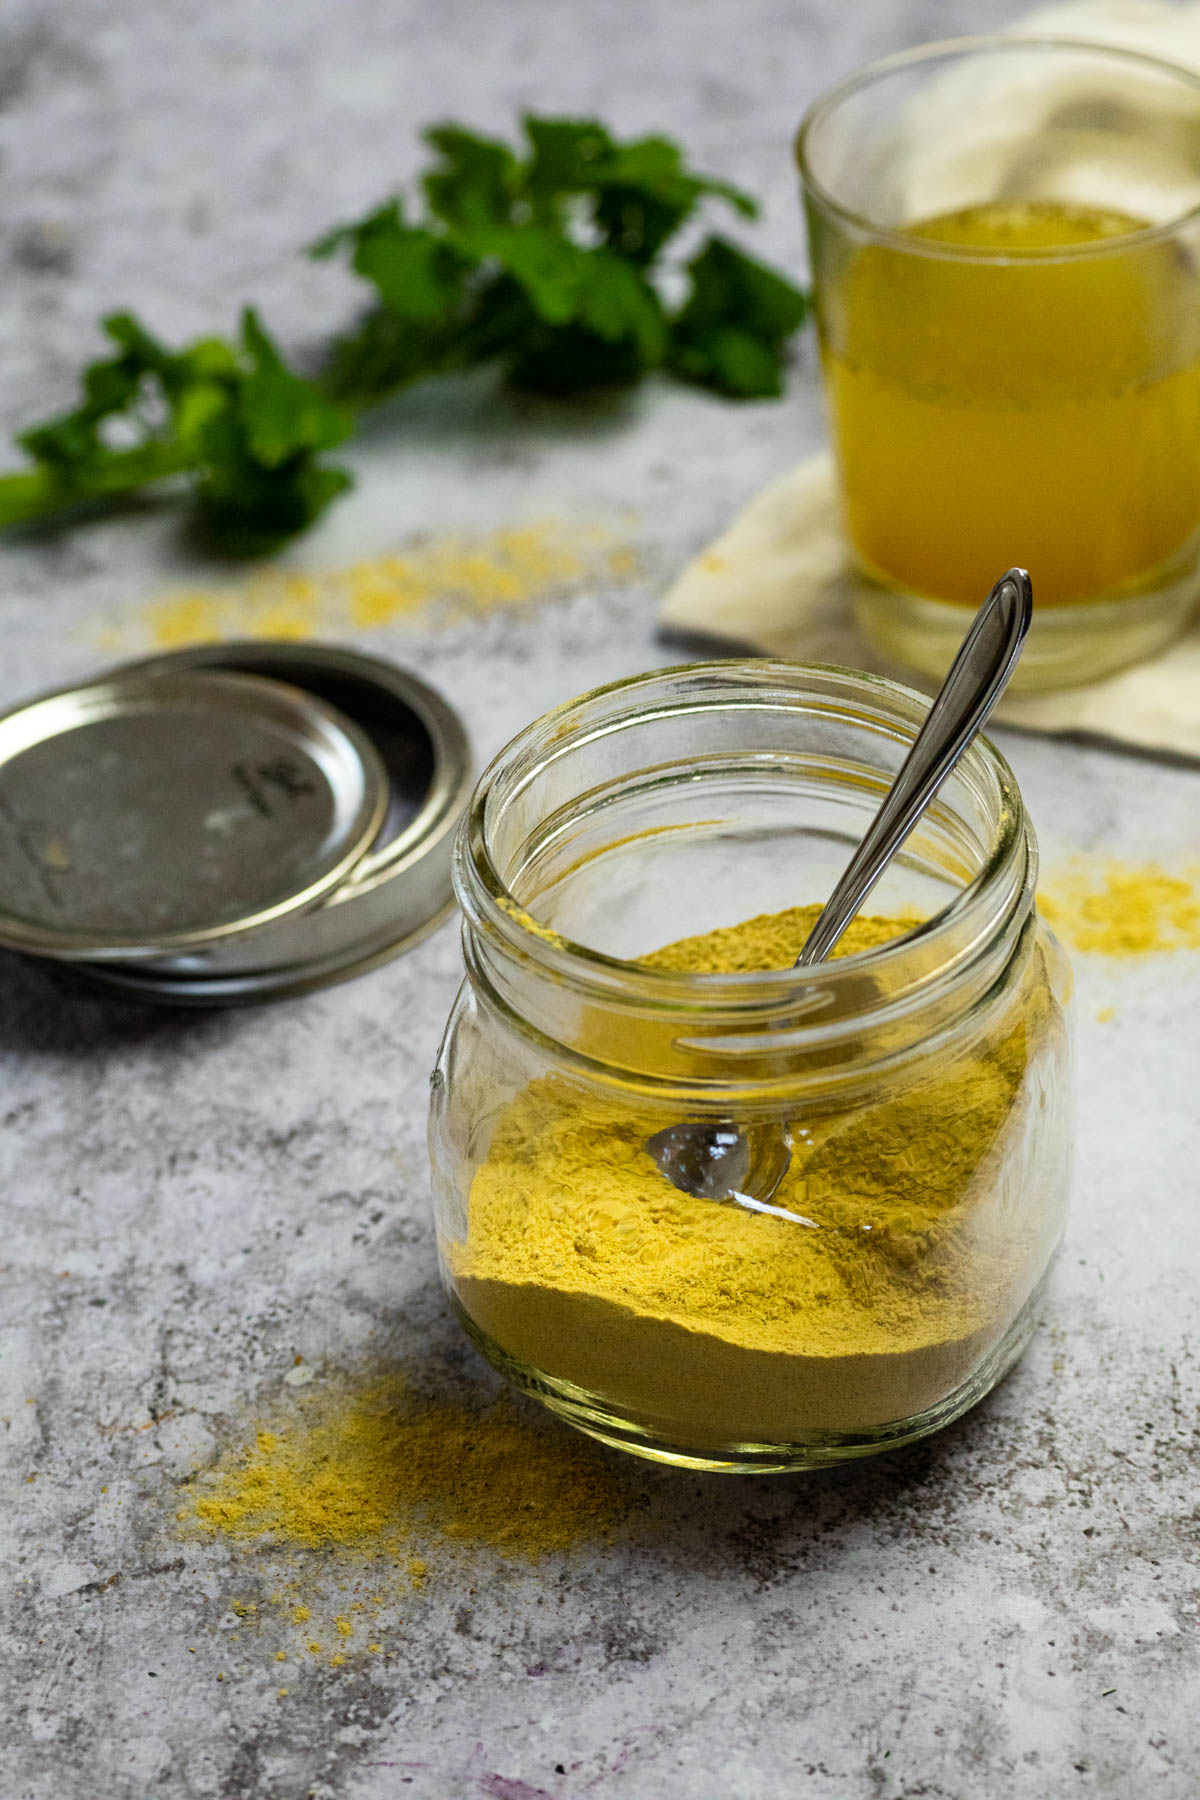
1005	240
1042	411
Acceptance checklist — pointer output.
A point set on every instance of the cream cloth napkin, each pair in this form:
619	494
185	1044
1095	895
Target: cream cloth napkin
781	579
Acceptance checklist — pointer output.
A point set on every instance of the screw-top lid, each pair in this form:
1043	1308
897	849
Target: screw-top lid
152	816
393	896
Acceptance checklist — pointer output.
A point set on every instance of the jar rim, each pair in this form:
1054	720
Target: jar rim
487	900
896	237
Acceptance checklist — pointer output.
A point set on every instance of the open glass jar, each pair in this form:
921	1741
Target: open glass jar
922	1086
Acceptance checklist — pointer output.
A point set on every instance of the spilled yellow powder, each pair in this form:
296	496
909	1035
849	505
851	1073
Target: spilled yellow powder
371	1470
909	1252
444	580
1109	908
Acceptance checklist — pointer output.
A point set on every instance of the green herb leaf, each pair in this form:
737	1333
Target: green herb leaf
282	414
646	194
730	332
259	483
418	273
250	508
567	155
418	330
240	421
475	182
618	304
641	191
548	268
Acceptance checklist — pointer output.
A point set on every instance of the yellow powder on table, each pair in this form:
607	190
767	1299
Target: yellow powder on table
718	1325
372	1470
441	580
1124	910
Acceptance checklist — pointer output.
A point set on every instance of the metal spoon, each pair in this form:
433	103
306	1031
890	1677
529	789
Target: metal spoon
718	1160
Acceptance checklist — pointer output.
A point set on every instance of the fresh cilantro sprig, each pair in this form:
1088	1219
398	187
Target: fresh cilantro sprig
551	263
232	417
554	264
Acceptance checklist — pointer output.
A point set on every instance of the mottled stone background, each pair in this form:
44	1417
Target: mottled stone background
191	1203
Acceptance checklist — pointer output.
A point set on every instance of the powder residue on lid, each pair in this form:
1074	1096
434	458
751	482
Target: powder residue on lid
434	580
1125	910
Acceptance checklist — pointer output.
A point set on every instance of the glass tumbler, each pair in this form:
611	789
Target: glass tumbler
1005	246
922	1086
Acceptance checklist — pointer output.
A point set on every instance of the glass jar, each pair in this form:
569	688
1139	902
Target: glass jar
921	1087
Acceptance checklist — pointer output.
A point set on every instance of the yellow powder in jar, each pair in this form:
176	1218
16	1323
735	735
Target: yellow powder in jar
716	1325
770	941
368	1469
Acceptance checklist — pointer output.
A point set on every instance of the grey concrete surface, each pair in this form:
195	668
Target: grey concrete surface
188	1204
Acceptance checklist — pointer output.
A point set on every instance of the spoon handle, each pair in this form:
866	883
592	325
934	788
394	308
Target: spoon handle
977	678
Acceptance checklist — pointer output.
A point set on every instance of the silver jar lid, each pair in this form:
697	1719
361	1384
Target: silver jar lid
395	894
142	819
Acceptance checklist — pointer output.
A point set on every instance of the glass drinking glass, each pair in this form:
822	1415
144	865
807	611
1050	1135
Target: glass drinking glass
1005	243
